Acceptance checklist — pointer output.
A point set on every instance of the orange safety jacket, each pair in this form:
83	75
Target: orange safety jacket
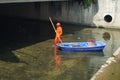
58	35
59	31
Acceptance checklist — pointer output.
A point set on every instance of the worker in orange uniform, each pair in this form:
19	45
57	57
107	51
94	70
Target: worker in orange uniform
58	37
91	42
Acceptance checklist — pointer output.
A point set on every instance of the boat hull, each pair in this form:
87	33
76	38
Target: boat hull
81	46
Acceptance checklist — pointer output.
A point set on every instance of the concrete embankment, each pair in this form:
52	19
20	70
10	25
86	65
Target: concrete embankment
110	70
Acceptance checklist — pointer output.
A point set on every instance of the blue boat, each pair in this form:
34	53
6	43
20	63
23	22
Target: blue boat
81	46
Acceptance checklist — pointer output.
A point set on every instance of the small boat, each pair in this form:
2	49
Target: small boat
81	46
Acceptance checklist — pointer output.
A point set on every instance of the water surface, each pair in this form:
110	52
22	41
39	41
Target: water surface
32	57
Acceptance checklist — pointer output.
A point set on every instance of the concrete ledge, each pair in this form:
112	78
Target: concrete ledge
109	61
14	1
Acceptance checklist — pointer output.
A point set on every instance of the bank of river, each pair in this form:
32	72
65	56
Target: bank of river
109	70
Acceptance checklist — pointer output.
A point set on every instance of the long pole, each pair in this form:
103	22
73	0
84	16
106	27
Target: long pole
52	24
54	27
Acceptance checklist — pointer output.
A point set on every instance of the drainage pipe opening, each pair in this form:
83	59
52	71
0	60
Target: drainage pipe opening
108	18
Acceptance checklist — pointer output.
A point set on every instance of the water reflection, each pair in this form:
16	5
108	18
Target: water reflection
109	36
56	57
106	36
79	54
85	63
70	66
90	60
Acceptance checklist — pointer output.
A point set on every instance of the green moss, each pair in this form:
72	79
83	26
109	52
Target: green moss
87	3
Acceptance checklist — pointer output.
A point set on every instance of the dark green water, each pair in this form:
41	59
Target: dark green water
27	51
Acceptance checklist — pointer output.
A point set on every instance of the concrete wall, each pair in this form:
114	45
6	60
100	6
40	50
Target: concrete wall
14	1
108	14
63	11
70	13
23	10
104	13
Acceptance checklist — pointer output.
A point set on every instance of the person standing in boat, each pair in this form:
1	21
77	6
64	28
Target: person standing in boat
59	32
91	42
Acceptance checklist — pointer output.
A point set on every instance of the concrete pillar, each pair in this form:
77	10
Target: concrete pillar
108	14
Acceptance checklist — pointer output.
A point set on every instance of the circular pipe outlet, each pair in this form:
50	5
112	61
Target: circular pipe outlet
108	18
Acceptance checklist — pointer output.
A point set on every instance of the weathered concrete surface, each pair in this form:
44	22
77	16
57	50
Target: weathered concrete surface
67	12
111	8
117	55
14	1
109	70
74	13
63	11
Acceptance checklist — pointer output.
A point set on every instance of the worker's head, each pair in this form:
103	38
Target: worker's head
58	24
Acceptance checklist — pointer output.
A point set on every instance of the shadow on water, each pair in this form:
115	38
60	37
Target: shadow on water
8	56
80	54
17	33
